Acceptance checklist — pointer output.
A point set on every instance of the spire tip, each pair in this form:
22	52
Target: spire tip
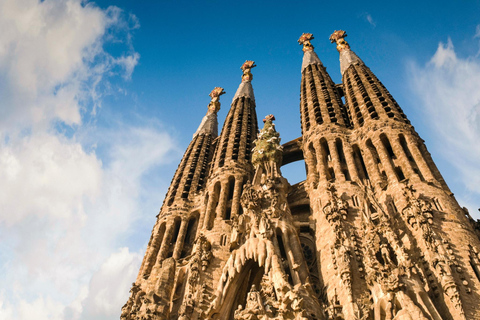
305	41
339	37
214	104
246	68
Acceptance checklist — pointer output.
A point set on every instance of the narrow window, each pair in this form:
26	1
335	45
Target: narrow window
388	146
228	213
176	229
341	155
399	173
231	187
312	163
326	158
409	156
189	236
359	163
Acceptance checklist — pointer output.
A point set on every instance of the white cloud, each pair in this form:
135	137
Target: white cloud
53	174
66	212
448	86
68	201
111	285
51	58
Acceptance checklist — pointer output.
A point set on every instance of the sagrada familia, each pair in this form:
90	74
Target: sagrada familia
372	233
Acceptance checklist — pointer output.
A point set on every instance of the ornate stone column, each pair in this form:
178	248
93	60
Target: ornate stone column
222	202
403	158
419	159
372	166
386	161
237	192
166	241
322	170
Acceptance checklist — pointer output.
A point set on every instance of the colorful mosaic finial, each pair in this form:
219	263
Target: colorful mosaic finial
305	41
214	104
339	37
246	67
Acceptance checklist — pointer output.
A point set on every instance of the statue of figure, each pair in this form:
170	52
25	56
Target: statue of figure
238	231
426	209
267	153
206	254
342	207
238	313
254	301
264	228
385	253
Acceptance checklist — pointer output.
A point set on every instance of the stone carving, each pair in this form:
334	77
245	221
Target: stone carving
260	234
201	258
335	311
239	228
336	209
389	270
195	296
142	307
418	214
130	307
187	307
364	306
206	252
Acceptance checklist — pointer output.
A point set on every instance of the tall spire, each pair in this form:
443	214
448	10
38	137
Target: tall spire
366	97
347	56
231	165
209	122
320	102
191	173
309	56
245	89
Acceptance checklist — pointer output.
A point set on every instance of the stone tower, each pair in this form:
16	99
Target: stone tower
372	233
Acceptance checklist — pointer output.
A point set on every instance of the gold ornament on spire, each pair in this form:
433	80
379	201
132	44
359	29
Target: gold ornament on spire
214	104
305	40
246	67
339	38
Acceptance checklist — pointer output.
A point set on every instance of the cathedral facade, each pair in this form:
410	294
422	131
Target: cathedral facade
372	233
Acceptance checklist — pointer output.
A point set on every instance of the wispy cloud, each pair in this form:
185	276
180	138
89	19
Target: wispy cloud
368	18
448	86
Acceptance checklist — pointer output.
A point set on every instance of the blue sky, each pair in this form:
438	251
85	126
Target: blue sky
100	100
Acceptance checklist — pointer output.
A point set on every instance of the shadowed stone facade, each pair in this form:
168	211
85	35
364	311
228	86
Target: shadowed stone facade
372	233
